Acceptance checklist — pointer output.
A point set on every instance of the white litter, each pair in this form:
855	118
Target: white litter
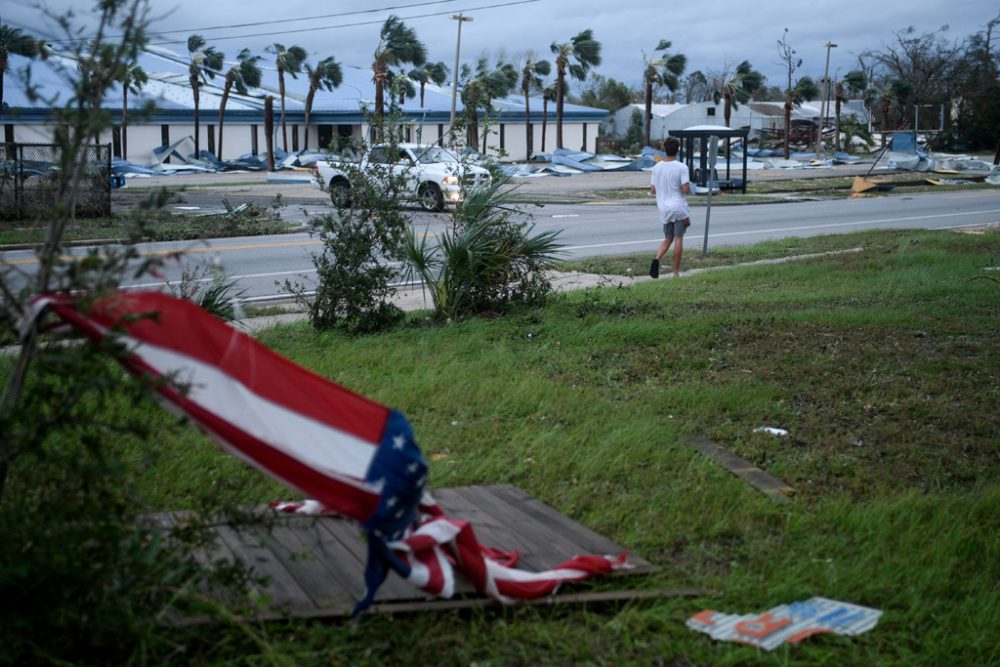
771	430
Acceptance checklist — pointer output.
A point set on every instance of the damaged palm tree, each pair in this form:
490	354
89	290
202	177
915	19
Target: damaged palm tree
397	45
205	62
739	88
243	76
575	57
327	75
532	72
662	71
288	60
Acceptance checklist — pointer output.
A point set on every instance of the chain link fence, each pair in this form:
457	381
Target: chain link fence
29	180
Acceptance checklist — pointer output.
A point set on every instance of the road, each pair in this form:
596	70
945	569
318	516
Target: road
261	264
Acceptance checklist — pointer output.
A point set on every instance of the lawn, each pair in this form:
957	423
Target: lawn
882	365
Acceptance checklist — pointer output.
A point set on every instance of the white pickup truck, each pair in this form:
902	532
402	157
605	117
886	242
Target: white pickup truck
434	177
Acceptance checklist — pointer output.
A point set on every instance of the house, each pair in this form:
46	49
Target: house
344	112
667	117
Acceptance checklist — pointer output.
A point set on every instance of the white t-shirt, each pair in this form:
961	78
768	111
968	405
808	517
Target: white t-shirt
667	178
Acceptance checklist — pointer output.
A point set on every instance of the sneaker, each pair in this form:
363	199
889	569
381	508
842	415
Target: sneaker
654	269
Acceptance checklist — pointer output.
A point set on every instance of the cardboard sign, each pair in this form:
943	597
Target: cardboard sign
786	623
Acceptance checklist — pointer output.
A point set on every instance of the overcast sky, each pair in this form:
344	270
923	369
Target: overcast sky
712	34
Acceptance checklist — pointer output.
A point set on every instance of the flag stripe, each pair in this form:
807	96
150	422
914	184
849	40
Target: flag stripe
266	373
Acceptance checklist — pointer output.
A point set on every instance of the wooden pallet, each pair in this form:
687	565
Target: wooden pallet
315	565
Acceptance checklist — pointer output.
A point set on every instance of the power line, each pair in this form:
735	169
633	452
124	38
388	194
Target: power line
345	25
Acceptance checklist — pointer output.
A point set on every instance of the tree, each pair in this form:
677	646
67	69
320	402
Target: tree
436	73
738	88
481	86
205	63
791	63
397	45
576	56
326	75
243	75
132	79
13	40
287	60
606	93
696	87
532	72
855	82
663	71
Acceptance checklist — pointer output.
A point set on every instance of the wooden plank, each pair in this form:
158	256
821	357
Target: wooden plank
771	486
588	541
550	547
284	592
297	550
502	531
350	538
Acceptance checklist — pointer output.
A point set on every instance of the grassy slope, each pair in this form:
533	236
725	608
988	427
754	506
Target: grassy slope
882	365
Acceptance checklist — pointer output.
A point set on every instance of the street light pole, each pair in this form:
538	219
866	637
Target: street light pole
458	47
822	105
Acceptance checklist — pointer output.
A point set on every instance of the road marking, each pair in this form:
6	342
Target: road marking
808	227
272	274
567	215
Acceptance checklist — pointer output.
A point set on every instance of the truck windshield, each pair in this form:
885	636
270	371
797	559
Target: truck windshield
431	154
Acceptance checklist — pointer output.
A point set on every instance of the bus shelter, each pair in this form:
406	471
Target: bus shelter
695	145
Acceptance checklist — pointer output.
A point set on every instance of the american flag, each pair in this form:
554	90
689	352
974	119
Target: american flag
348	454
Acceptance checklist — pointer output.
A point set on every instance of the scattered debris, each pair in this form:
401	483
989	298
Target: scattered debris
771	486
771	430
787	623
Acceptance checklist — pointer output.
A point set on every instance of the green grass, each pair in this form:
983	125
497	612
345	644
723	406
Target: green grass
881	364
159	227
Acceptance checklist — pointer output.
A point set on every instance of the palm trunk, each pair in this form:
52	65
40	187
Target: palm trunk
649	110
527	125
545	119
379	102
197	126
560	77
3	72
125	121
222	112
727	109
422	94
269	130
788	119
308	111
281	92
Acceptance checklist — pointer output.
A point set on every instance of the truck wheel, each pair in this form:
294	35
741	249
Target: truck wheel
430	197
340	193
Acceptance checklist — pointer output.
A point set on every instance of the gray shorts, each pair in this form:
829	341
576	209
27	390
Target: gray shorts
675	228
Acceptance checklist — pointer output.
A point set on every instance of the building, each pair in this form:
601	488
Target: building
163	112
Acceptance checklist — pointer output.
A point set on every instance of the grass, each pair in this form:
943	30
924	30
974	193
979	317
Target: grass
157	227
881	364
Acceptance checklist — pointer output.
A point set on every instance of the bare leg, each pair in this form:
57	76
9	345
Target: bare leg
664	247
678	251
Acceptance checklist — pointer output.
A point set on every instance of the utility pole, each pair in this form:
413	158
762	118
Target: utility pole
458	47
822	106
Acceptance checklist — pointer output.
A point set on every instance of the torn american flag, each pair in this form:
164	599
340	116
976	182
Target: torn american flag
351	455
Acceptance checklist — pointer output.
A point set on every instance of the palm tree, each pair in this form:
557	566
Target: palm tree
402	83
326	75
856	82
436	73
397	45
287	60
578	56
243	75
663	71
205	63
132	79
532	72
480	88
739	88
13	40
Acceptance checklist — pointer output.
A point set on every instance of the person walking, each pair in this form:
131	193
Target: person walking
669	184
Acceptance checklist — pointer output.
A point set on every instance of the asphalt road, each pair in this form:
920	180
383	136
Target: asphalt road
262	264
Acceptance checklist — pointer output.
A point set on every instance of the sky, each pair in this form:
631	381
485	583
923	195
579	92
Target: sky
713	34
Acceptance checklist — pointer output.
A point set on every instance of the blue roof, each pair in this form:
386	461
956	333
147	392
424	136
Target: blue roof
169	90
